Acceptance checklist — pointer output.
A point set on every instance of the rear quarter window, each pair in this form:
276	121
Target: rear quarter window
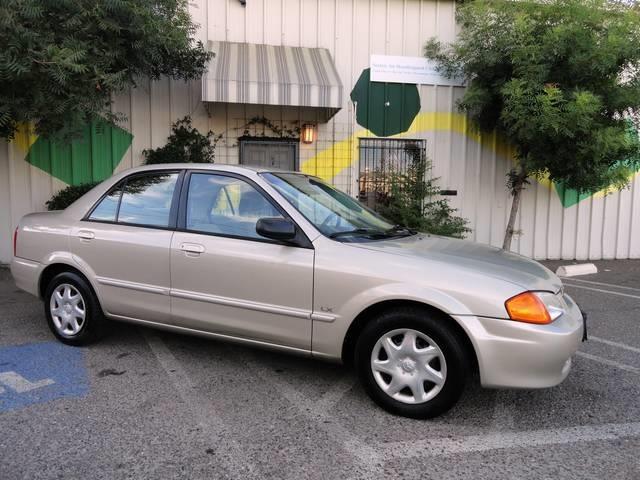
107	209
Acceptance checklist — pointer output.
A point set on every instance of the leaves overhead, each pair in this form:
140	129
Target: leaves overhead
560	79
61	60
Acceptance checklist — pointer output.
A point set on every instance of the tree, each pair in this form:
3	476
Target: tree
558	79
184	145
61	60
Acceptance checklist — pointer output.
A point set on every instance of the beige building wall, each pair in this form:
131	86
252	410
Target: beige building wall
474	165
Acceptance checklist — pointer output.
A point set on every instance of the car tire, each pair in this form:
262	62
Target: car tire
418	349
73	313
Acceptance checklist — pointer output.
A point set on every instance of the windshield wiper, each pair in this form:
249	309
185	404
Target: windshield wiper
391	232
401	229
357	231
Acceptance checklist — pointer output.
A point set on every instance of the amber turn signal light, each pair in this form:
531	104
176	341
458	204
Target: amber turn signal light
527	307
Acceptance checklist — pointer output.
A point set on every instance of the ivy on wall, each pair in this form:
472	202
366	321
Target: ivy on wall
282	131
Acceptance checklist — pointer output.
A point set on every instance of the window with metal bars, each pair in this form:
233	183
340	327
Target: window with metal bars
382	160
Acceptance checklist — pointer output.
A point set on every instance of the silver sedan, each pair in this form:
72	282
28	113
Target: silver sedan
286	261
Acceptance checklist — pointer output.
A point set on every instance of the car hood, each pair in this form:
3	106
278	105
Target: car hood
467	255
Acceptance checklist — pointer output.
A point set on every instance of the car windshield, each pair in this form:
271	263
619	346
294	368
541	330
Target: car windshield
333	212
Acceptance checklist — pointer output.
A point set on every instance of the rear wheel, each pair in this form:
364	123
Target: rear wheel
411	363
72	310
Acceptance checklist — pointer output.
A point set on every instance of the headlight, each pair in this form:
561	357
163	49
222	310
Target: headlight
554	303
535	307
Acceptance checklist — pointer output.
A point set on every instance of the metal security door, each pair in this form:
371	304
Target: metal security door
281	155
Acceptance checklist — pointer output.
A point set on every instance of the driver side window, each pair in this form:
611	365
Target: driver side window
225	205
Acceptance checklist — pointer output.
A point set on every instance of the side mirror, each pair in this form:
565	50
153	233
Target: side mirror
276	228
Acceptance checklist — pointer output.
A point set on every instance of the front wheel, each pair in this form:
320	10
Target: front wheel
72	310
411	363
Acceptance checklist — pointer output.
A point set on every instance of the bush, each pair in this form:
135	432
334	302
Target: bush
67	196
410	200
184	145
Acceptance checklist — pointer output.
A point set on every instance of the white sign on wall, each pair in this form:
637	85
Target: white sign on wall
418	70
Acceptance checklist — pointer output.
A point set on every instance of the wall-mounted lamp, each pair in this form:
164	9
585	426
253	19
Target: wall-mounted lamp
308	133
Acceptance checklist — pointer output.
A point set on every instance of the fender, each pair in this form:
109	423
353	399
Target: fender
67	258
328	337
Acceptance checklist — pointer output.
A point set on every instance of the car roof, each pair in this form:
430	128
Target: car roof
203	166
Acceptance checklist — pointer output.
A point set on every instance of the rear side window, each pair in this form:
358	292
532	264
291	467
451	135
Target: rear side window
146	200
141	200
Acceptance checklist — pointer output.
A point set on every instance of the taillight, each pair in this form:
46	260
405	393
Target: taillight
15	241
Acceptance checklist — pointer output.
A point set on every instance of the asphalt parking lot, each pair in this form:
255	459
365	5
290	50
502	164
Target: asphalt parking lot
147	404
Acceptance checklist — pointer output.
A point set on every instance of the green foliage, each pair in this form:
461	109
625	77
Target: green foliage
61	60
67	196
282	131
185	145
559	79
411	201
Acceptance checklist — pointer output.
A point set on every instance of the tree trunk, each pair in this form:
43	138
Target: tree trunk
518	186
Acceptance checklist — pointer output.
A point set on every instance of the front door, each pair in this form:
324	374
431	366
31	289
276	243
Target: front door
225	278
278	154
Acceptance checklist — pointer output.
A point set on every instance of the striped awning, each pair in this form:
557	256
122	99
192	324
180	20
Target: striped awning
272	75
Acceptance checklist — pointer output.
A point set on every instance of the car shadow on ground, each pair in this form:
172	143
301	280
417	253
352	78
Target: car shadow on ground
333	390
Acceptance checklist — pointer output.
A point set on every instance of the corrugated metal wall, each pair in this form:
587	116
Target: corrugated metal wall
474	165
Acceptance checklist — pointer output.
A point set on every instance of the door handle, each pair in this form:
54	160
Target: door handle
86	235
192	248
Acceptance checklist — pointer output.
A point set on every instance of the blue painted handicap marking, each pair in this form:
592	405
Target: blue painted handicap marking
40	372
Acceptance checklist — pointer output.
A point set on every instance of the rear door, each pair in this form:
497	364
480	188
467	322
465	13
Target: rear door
225	278
125	240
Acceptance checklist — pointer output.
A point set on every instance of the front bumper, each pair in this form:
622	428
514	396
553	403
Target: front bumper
521	355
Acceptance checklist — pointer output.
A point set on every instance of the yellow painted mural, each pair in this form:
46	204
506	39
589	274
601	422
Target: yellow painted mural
25	137
330	162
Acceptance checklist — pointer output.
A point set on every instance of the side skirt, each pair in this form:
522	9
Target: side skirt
221	336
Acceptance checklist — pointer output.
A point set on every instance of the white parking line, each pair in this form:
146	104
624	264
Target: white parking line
602	290
614	344
613	285
234	457
611	363
502	440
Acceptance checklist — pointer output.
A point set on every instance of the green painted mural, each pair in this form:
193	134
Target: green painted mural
570	197
91	158
385	108
389	109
